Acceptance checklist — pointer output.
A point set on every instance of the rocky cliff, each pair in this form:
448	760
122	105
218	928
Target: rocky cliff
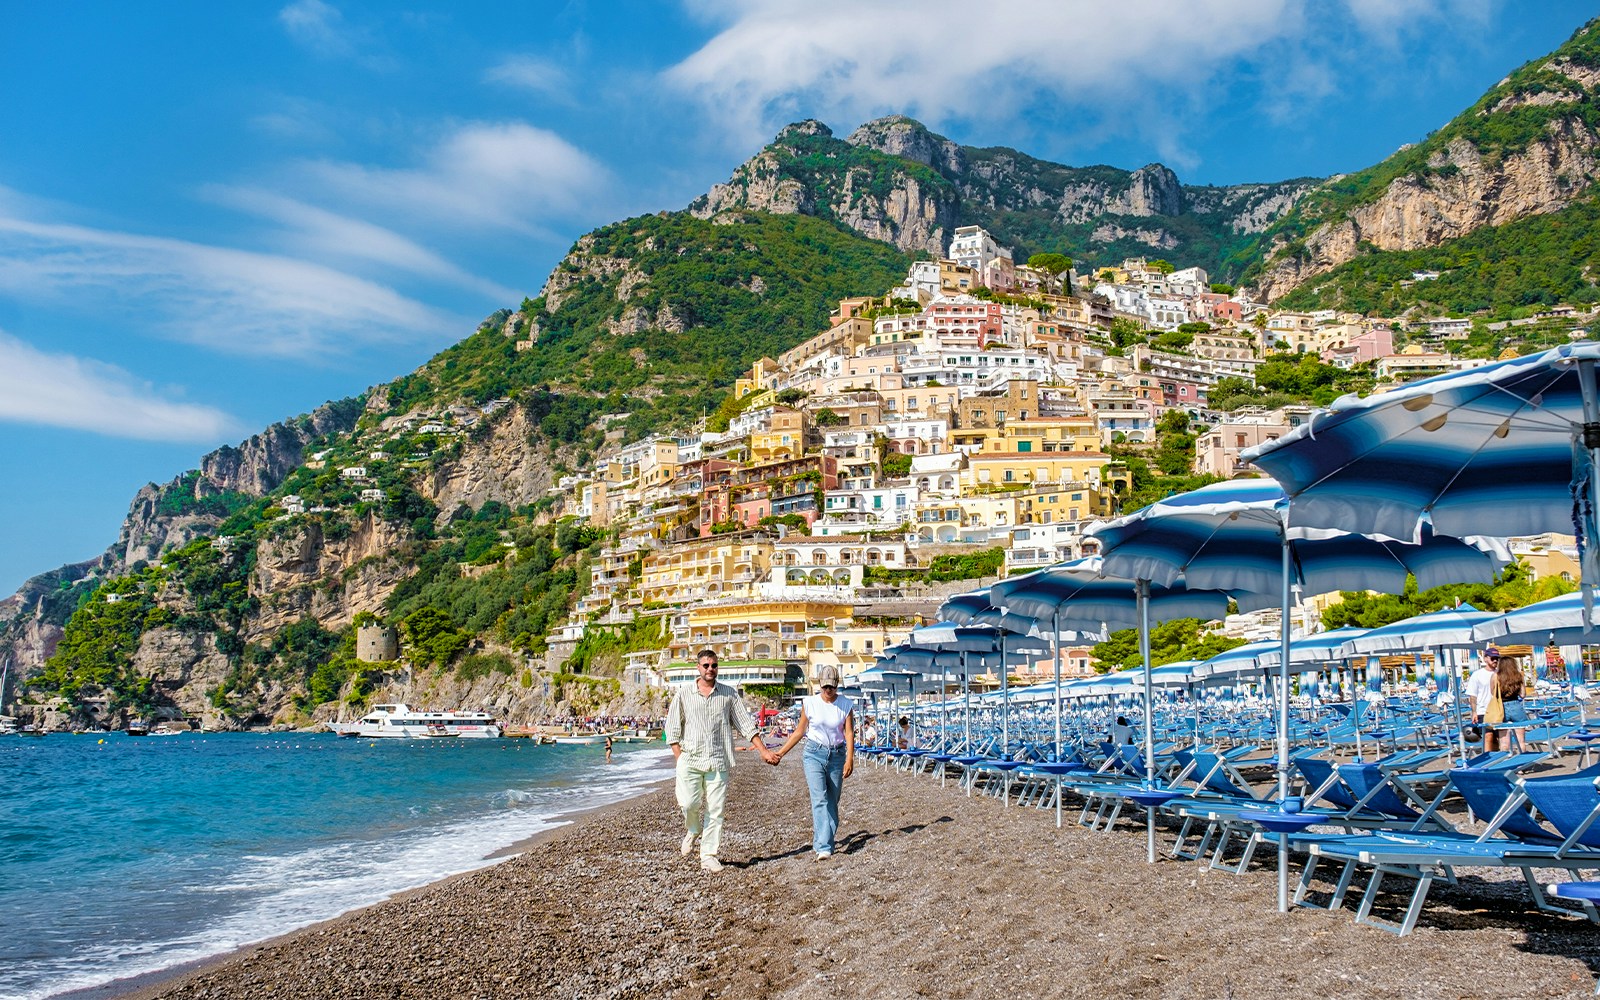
1526	148
894	180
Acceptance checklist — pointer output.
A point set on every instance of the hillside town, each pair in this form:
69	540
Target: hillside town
974	419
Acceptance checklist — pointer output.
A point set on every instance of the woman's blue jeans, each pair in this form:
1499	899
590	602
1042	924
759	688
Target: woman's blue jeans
825	777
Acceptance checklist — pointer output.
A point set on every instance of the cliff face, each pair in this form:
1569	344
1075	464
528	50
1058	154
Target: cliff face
1461	191
1526	148
896	181
253	468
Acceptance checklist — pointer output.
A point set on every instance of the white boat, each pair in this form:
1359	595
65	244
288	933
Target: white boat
582	739
400	721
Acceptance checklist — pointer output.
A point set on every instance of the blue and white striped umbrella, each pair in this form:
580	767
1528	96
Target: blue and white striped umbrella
1557	621
1230	536
1084	596
1313	651
1508	448
1081	595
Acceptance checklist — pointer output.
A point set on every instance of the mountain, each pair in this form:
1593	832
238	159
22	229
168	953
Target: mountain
896	181
1527	147
233	591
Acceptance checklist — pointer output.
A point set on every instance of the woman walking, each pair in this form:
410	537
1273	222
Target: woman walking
828	758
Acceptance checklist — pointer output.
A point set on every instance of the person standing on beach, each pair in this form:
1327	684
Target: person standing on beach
700	728
1481	690
827	726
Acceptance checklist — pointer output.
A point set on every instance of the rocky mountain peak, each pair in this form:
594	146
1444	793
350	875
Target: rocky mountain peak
897	135
800	129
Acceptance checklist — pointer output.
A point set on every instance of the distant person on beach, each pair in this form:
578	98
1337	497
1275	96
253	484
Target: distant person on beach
905	739
1121	732
1512	684
869	733
700	727
828	729
609	741
1480	691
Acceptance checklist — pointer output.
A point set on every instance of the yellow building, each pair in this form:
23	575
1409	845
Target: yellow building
1004	470
1047	434
763	375
784	439
779	642
703	569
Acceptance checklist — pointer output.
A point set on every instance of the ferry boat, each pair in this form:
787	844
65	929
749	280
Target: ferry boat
400	721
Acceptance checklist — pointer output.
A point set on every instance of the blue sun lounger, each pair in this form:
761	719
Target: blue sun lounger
1514	838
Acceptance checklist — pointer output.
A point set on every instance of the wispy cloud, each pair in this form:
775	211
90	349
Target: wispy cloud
317	26
540	76
62	390
234	301
322	28
486	175
320	234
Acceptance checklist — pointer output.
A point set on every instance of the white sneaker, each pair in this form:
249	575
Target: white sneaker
709	863
823	855
687	847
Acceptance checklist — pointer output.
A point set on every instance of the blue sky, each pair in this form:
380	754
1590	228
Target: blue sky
214	216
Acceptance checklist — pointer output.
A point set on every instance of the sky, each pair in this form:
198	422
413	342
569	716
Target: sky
217	216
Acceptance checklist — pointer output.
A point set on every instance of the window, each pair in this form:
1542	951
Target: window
1009	476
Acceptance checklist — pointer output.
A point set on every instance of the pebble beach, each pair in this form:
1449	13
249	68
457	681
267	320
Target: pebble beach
933	894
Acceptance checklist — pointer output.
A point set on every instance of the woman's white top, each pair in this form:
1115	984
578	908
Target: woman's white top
825	722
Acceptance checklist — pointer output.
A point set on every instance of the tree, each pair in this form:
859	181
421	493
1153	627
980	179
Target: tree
1161	266
1053	264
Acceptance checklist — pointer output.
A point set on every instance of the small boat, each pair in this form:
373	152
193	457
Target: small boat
582	739
138	727
31	730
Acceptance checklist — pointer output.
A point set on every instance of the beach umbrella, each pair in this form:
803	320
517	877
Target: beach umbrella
1312	651
1237	537
1558	621
1508	448
1080	594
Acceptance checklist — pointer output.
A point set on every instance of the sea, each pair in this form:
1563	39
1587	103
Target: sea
123	855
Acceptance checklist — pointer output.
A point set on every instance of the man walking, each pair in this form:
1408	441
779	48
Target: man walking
700	729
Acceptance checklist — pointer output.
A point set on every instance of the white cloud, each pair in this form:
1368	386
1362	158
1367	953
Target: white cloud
859	60
317	26
319	233
484	175
530	73
62	390
234	301
1147	65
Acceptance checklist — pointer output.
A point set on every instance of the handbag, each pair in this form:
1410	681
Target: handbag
1496	712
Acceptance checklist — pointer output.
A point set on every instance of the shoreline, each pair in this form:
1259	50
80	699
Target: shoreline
931	893
146	985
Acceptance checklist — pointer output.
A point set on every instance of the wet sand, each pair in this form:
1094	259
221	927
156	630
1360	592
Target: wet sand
933	894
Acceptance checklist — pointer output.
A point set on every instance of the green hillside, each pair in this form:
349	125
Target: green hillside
1500	270
741	287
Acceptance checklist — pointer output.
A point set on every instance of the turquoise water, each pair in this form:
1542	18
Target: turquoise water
122	855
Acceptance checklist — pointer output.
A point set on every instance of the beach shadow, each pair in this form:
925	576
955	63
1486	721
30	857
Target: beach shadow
849	844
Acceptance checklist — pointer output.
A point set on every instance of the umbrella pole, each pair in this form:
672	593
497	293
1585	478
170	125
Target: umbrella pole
1591	443
1455	702
1283	720
1005	703
1142	597
1055	642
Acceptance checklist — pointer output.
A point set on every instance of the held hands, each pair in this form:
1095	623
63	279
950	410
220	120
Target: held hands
770	757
